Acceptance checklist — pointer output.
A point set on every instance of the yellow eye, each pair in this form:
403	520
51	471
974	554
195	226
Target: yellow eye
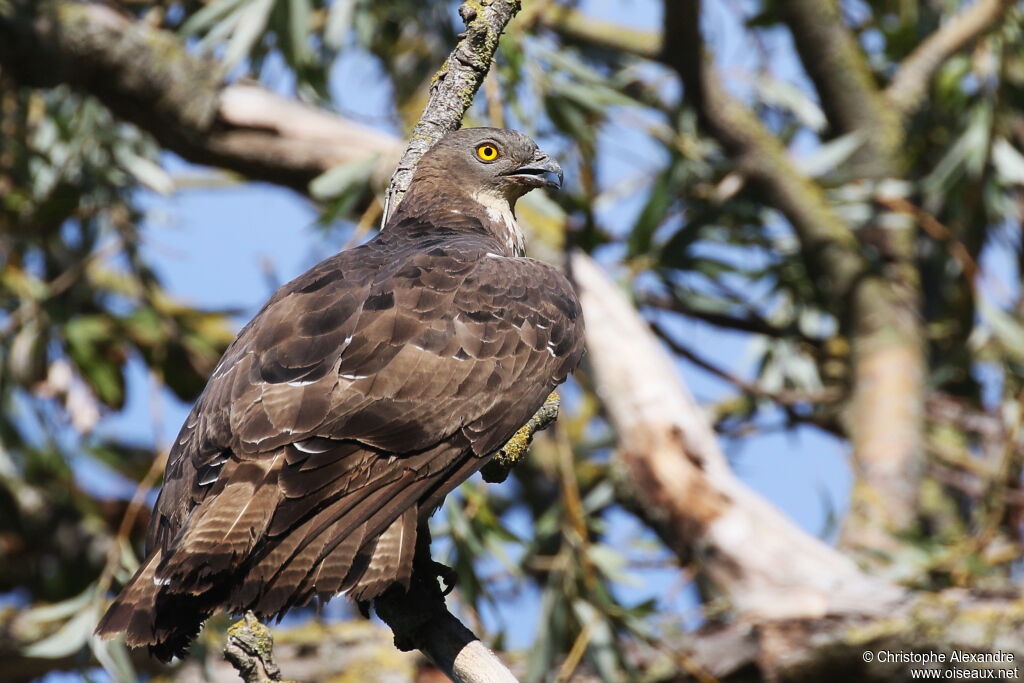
487	152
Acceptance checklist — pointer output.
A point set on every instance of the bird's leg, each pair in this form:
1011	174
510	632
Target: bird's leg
496	471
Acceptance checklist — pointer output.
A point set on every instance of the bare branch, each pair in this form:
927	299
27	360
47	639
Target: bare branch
910	84
420	620
419	617
784	398
147	77
574	26
752	322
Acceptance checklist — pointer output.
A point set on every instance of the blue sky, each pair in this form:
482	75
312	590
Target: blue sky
222	248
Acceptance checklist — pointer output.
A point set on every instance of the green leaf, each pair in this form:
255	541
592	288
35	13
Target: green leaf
147	172
96	352
251	26
830	155
339	23
115	659
1009	162
663	192
298	31
209	15
612	563
73	634
44	614
1008	331
601	650
342	180
787	96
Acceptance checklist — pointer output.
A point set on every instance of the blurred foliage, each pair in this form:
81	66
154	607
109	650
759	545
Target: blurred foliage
80	299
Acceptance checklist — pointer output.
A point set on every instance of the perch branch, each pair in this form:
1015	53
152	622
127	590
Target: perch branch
250	649
496	471
419	618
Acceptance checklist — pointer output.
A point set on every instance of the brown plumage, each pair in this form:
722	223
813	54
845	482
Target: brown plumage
361	394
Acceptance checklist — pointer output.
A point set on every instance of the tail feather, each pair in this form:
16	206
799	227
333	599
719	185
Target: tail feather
133	612
225	528
148	616
254	543
391	559
279	579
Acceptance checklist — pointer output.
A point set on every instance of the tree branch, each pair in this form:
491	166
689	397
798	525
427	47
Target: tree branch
147	77
785	399
752	322
575	27
879	309
813	650
910	83
250	649
419	617
829	248
846	87
420	620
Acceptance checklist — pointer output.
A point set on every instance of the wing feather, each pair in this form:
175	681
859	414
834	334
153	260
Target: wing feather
356	399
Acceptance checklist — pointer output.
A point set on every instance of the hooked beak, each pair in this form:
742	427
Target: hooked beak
542	172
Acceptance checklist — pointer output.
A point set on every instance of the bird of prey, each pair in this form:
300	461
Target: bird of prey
362	393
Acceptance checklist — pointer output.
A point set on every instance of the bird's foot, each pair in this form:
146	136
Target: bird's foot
497	470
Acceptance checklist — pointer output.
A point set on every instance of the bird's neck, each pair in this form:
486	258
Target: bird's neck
501	219
486	212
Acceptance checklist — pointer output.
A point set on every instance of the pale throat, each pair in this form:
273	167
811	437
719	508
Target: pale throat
506	227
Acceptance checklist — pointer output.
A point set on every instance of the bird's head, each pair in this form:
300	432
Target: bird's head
492	161
472	178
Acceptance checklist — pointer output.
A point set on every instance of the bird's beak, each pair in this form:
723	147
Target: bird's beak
542	172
